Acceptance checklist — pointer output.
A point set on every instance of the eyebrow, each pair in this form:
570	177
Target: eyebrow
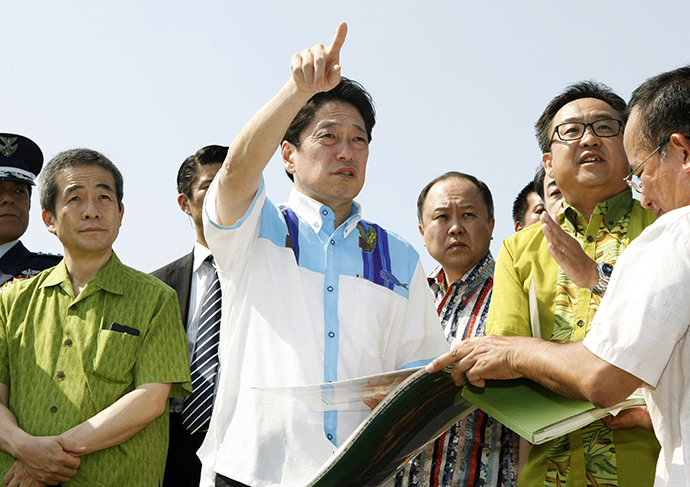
75	187
598	116
464	207
328	125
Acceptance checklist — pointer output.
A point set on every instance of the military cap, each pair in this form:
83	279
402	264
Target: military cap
20	159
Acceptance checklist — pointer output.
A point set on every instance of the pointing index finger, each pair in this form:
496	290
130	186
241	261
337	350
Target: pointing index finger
338	41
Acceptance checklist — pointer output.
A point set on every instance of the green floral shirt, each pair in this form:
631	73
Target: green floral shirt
63	364
593	455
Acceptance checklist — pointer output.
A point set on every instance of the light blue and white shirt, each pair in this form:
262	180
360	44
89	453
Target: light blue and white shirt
304	303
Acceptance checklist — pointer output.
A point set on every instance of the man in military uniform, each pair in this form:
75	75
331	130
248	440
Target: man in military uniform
20	162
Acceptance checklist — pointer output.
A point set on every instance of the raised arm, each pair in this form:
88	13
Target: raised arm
313	70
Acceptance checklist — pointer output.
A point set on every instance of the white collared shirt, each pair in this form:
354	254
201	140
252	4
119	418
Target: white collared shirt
304	303
642	327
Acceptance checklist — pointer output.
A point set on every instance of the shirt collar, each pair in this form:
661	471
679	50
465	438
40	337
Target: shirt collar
110	278
201	253
486	264
318	215
612	209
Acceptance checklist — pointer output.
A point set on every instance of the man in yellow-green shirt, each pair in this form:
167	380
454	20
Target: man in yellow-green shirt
90	350
581	137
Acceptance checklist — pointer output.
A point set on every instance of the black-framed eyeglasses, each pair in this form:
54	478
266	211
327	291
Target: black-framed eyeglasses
607	127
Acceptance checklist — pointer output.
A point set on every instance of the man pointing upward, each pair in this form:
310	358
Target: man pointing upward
312	292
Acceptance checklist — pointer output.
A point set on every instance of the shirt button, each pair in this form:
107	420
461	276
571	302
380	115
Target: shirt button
332	242
329	436
53	409
331	334
61	374
324	212
330	289
68	342
580	323
317	224
73	307
590	239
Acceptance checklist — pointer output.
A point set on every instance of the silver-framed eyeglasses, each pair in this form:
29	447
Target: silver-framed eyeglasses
606	127
629	178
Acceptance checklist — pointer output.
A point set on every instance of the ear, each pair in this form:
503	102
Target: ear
421	232
547	161
122	212
492	223
681	145
183	201
288	150
49	221
518	226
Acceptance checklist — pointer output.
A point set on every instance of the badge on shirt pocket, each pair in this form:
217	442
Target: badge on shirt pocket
116	353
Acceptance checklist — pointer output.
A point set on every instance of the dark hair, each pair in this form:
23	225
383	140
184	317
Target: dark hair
69	159
583	89
481	186
347	91
188	172
664	105
538	183
521	204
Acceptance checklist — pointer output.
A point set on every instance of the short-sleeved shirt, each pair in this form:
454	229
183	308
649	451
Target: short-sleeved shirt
63	364
642	327
477	450
304	303
566	313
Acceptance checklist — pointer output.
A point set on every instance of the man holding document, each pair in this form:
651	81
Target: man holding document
312	293
638	336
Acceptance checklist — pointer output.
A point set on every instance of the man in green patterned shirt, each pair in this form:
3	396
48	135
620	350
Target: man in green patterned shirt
90	350
581	137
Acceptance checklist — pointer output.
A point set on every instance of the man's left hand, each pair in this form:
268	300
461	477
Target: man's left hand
569	255
630	418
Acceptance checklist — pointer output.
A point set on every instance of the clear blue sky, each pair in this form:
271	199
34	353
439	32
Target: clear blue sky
458	85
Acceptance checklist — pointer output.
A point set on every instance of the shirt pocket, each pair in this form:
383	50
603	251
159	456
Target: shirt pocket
374	312
115	356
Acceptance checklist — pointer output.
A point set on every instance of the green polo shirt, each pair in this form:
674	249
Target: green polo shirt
63	365
626	457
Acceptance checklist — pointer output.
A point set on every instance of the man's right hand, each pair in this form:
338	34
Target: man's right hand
49	459
318	69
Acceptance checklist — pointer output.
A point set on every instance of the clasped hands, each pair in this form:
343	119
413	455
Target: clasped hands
44	460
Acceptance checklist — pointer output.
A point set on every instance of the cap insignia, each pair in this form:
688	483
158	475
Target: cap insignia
7	148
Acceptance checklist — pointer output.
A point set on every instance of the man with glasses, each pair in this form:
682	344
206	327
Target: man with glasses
639	334
581	137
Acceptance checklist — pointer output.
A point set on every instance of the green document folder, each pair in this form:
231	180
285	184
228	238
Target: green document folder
535	412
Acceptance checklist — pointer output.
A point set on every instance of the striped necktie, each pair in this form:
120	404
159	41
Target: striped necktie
204	365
